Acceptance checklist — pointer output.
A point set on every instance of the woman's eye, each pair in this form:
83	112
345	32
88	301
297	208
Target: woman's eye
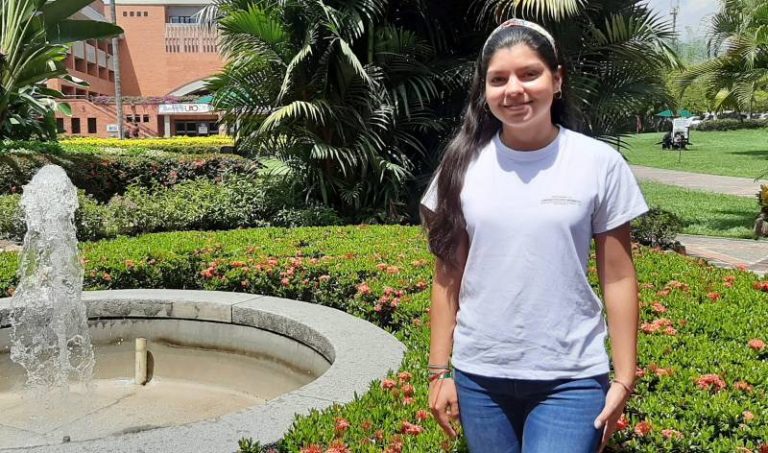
497	80
531	75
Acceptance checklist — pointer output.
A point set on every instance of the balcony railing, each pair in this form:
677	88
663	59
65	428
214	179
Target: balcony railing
190	38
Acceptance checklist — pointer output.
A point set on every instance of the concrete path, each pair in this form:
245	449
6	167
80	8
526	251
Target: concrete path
720	252
729	185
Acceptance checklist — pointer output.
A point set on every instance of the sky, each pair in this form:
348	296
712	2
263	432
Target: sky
693	14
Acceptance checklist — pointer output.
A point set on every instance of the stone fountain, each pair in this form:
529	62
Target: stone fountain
225	365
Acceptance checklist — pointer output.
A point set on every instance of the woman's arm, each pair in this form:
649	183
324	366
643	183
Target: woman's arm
445	305
619	285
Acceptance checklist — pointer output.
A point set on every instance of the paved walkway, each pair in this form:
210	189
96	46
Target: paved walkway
743	187
721	252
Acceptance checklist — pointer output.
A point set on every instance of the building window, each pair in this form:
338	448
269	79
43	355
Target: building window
125	13
181	20
75	125
146	14
59	125
131	13
92	126
146	118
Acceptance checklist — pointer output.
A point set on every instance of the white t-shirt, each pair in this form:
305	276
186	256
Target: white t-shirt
526	309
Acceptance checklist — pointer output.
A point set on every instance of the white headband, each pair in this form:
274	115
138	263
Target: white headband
523	23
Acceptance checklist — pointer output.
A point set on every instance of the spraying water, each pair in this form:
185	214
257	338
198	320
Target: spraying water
49	335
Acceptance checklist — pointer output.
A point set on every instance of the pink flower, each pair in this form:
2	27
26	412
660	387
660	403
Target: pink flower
404	377
748	416
342	425
285	281
743	386
338	447
711	382
388	384
408	400
363	289
408	390
311	448
671	434
422	415
713	296
411	429
756	344
659	308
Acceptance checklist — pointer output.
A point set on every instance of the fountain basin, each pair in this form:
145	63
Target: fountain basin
317	355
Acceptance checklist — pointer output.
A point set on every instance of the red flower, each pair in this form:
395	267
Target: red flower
671	331
643	428
422	415
408	400
408	390
366	425
622	423
381	266
659	308
743	386
285	281
711	382
411	429
404	377
761	286
713	296
756	344
311	448
342	425
388	384
671	434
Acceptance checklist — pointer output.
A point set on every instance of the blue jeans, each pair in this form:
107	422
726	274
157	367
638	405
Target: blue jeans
514	415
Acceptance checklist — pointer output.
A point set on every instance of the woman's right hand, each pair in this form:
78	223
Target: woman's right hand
444	403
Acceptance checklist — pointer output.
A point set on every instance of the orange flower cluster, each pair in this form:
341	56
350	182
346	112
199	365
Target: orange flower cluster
711	382
661	325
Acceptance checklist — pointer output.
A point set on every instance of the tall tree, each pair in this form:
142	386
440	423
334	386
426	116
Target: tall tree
738	43
33	46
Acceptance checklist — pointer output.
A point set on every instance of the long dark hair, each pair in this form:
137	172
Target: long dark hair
446	225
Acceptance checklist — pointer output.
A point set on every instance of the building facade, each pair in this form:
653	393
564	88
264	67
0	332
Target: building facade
165	58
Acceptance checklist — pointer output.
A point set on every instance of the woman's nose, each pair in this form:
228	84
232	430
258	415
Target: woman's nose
513	87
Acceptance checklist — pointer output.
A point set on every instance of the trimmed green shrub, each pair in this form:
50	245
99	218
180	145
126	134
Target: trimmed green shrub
730	124
201	204
703	361
30	146
103	176
657	228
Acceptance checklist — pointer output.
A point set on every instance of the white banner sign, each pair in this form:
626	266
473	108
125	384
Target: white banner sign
165	109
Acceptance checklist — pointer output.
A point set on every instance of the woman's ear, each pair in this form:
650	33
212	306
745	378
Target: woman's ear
559	79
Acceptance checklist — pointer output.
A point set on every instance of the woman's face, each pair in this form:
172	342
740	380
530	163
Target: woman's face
519	87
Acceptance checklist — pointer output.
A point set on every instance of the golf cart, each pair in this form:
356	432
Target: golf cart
679	137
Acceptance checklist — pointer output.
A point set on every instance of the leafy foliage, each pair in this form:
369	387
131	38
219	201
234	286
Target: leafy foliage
33	46
739	43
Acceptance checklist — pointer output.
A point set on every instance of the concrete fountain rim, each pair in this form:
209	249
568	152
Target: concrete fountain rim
359	353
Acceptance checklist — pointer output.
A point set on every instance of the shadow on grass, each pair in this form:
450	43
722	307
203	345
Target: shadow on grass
731	219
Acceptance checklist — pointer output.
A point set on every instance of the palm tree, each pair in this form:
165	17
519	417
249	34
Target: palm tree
738	40
33	45
337	94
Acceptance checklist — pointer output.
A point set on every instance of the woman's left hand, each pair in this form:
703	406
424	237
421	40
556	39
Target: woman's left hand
615	401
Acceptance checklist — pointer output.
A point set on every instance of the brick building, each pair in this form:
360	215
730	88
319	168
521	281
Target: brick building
165	57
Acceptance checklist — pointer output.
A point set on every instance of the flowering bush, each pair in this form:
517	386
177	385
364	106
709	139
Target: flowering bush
106	175
701	389
185	145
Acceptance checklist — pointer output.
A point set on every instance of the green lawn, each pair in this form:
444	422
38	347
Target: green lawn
730	153
703	212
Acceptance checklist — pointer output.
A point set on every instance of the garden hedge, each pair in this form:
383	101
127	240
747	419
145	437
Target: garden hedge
730	124
103	176
703	363
185	145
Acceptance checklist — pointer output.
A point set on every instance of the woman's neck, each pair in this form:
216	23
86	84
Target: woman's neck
529	138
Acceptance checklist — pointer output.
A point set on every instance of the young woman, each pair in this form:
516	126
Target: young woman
510	215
